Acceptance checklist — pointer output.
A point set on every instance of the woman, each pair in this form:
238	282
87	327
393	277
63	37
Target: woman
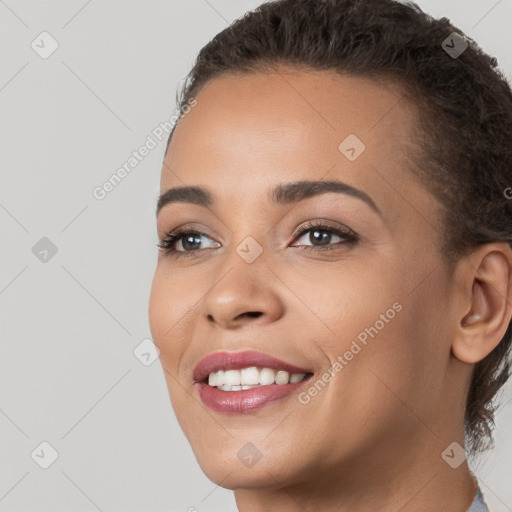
332	299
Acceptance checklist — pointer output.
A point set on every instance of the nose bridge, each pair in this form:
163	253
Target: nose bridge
244	289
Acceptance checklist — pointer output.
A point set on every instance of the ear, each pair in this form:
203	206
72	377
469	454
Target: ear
486	301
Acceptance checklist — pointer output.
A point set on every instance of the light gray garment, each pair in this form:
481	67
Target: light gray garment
478	504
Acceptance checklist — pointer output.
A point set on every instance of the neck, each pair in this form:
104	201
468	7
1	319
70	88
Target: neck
417	480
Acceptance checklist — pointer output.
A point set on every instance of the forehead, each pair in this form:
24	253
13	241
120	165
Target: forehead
250	132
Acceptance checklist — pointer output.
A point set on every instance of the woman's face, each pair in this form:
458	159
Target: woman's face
367	315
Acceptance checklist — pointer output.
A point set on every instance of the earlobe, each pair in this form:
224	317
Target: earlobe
488	306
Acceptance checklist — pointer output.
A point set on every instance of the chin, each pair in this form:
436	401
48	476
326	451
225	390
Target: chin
231	474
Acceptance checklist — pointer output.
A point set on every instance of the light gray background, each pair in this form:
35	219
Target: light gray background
69	326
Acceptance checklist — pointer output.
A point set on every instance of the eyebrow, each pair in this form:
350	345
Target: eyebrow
282	194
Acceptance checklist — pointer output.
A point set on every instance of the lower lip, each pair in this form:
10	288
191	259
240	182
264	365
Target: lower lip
246	400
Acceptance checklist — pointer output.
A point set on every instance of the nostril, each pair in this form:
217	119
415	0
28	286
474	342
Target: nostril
254	314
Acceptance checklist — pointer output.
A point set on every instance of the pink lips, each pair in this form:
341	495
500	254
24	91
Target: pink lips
246	400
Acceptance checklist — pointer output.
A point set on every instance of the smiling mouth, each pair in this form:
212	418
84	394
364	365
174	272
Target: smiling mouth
249	398
246	381
252	377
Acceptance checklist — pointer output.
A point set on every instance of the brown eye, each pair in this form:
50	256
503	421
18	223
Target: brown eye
184	242
320	235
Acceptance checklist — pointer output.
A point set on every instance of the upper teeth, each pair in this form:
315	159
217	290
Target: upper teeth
236	380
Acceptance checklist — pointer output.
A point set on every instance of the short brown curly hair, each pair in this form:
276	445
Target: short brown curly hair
464	153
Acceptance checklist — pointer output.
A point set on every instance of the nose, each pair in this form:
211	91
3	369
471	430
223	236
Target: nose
245	294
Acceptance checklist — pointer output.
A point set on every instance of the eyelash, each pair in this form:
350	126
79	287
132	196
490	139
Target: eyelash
167	245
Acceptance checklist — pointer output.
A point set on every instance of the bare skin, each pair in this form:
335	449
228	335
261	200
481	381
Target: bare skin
372	438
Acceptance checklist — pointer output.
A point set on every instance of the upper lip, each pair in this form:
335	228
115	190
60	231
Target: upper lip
237	360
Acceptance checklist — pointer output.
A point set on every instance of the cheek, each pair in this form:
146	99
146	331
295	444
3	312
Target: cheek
351	304
386	337
158	310
167	314
170	303
402	366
